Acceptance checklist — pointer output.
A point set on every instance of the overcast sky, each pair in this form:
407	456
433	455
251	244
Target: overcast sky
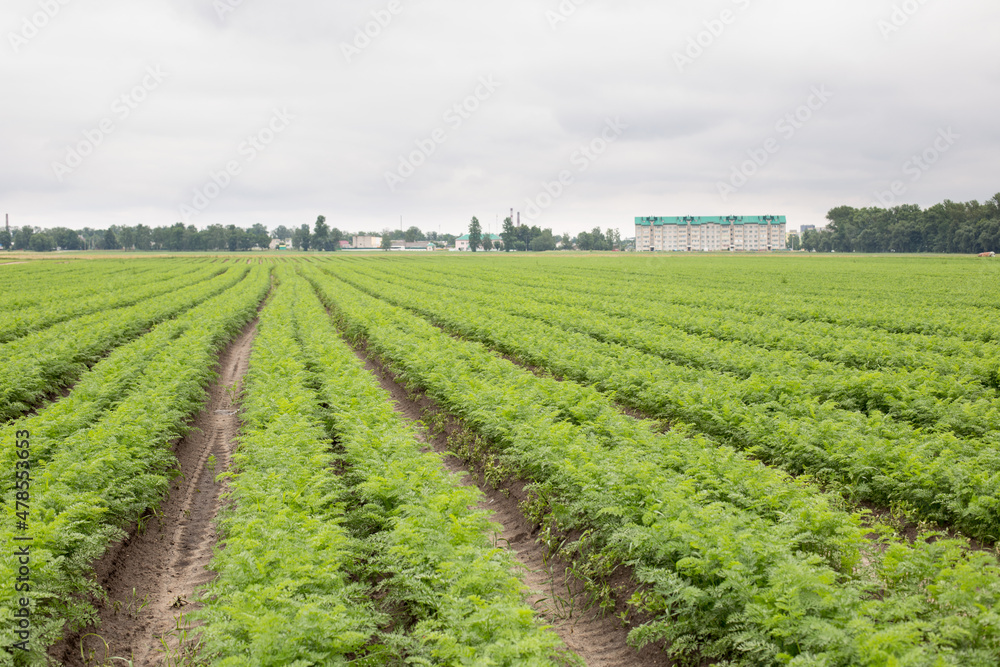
576	113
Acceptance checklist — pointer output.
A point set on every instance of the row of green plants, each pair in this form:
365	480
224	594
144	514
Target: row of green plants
937	476
920	396
694	304
64	302
40	364
27	285
99	389
100	471
735	561
344	543
931	297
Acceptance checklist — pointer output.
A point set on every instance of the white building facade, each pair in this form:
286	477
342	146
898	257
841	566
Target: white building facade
366	242
710	233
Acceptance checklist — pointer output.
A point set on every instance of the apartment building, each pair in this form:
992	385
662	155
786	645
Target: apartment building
734	233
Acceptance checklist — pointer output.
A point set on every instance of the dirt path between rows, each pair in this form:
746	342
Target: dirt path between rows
600	640
151	576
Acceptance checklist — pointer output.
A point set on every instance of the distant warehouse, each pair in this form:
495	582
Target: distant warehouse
736	233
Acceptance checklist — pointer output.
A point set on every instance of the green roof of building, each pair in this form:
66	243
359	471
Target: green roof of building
707	219
493	237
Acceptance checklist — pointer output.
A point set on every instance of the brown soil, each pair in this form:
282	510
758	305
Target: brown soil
151	576
599	639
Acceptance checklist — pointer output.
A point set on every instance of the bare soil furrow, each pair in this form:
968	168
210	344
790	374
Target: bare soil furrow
151	577
599	639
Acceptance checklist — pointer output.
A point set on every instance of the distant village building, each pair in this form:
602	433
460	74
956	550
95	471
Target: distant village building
366	242
462	242
416	246
805	228
710	233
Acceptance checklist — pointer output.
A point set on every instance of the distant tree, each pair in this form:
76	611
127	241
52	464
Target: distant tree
321	235
543	242
487	243
600	240
41	243
64	238
567	243
259	236
6	240
22	238
336	236
110	240
143	237
475	234
810	240
244	240
193	240
509	234
126	238
173	239
413	234
215	238
158	238
301	239
386	242
281	233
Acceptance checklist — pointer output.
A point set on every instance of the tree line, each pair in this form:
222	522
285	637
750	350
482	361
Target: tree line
948	227
321	236
174	238
522	238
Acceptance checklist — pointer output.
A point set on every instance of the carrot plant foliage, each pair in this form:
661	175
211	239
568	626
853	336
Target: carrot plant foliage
739	562
102	456
344	542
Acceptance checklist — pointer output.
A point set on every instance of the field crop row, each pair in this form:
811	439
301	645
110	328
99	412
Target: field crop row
923	296
344	542
680	304
872	457
30	285
961	404
104	459
39	364
116	292
737	561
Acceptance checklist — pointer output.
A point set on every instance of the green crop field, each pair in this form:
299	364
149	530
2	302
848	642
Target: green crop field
742	460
